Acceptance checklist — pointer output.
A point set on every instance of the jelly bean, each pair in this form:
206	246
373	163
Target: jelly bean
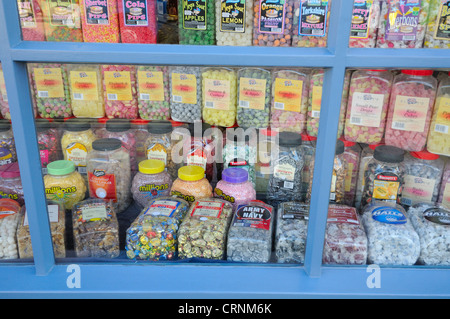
185	93
100	21
137	21
196	22
234	22
436	35
62	21
365	22
31	20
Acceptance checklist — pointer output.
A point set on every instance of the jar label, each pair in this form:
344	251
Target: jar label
205	208
26	14
49	82
437	215
442	123
389	215
220	194
157	151
366	109
241	163
194	14
197	157
295	210
316	101
446	195
153	190
53	215
232	16
90	213
333	186
61	13
151	85
189	198
342	214
6	213
288	95
443	22
77	153
135	13
84	85
417	189
6	156
118	85
97	12
254	216
252	93
410	113
14	196
102	185
402	20
362	14
162	208
184	88
3	87
59	193
313	18
349	177
386	186
217	94
271	16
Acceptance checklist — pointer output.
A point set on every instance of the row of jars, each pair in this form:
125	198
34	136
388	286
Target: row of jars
296	23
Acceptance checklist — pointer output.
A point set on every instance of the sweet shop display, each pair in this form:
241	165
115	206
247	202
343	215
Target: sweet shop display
62	20
234	22
235	187
137	21
437	35
365	23
197	22
100	21
9	219
159	144
191	184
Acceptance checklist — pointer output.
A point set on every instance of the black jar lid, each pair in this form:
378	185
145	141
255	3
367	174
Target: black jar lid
389	154
289	139
340	147
77	125
43	124
118	125
192	126
159	127
106	144
5	125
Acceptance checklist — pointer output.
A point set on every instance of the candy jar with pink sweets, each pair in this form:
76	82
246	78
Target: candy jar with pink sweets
365	20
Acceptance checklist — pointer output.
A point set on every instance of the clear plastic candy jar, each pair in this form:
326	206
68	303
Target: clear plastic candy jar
137	21
7	145
9	219
31	20
437	35
365	22
139	128
197	22
10	182
309	149
438	140
263	166
152	181
64	184
410	109
48	142
340	172
191	184
62	20
109	175
384	176
352	155
367	107
234	22
235	187
444	193
100	21
423	177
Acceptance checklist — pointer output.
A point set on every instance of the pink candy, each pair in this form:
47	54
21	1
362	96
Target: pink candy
31	20
365	19
100	21
138	21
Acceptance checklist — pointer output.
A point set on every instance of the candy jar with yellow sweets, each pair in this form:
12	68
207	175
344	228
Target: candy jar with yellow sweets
191	184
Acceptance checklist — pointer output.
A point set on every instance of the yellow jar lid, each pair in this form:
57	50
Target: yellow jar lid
151	166
191	173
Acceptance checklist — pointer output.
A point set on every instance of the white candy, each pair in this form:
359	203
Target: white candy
234	37
8	247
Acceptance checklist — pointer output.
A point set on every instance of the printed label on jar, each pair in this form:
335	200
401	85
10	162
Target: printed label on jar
402	20
6	213
232	16
389	215
197	157
313	18
102	185
153	190
59	193
9	195
217	94
366	109
53	215
220	194
135	13
207	209
333	186
442	123
3	87
239	162
437	215
288	95
97	12
184	88
254	216
316	101
443	22
90	213
194	14
49	82
252	93
6	156
337	214
61	13
26	13
157	151
386	186
295	210
118	85
446	195
151	85
84	85
410	113
285	173
362	14
348	177
77	153
189	198
271	16
418	189
162	208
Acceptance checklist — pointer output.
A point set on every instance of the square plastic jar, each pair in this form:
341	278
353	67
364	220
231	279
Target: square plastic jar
138	21
365	23
31	20
100	21
197	22
436	36
62	20
234	22
410	109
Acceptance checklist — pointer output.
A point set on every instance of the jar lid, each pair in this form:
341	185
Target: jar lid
374	146
191	128
289	139
235	175
159	127
106	144
7	202
10	170
425	155
339	147
388	153
191	173
151	166
418	72
139	121
43	124
5	125
306	137
61	167
377	70
268	132
118	125
77	125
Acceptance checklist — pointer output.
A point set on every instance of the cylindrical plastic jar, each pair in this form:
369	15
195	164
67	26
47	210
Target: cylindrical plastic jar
119	91
137	20
234	22
64	184
152	181
384	176
219	96
7	145
153	92
410	109
100	21
272	23
62	20
139	127
310	23
109	176
401	29
367	107
9	219
444	193
255	87
365	22
31	20
191	184
352	155
437	36
423	177
158	145
289	100
10	182
197	22
286	182
439	135
235	187
86	90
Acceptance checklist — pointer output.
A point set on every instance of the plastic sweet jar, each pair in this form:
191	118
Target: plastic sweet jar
384	176
48	142
191	184
139	128
64	184
340	172
152	181
410	109
444	193
10	182
7	144
235	187
439	135
263	166
352	154
309	149
423	177
9	218
109	175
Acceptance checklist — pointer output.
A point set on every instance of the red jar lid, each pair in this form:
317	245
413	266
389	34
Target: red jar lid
378	70
425	155
418	72
268	132
10	170
306	137
347	143
374	146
